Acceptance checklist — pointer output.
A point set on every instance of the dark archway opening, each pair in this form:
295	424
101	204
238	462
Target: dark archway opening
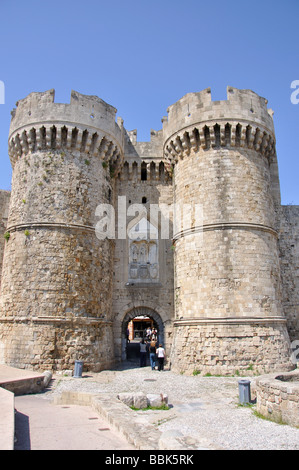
140	324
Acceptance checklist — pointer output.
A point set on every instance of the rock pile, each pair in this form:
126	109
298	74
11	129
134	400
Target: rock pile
140	400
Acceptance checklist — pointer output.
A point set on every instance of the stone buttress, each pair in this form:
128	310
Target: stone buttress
227	290
56	290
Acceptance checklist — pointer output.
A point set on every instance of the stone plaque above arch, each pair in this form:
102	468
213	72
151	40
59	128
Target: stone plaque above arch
143	253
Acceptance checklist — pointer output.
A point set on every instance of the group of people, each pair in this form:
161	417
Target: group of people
151	334
156	354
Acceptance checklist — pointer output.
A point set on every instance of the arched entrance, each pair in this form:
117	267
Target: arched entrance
137	321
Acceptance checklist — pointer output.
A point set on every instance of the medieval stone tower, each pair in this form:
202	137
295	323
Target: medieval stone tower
215	286
227	283
57	287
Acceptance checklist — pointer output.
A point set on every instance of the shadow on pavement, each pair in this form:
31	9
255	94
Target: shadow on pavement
22	432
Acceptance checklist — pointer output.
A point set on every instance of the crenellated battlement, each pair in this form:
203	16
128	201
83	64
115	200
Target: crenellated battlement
145	171
87	125
243	120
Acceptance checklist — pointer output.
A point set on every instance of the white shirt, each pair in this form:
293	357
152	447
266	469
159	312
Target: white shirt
160	352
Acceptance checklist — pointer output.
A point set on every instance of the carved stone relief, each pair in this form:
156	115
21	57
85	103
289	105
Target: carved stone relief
143	253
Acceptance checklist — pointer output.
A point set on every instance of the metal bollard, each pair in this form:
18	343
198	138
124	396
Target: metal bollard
78	369
244	392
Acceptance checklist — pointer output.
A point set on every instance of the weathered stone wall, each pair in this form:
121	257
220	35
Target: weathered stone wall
56	296
289	262
4	208
150	298
227	269
230	346
231	268
277	397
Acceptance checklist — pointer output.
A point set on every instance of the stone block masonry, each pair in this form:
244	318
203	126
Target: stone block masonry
227	270
289	262
278	397
57	290
230	347
4	208
221	290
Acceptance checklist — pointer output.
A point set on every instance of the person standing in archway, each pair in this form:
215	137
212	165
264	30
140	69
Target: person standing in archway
148	333
128	335
161	357
152	354
142	353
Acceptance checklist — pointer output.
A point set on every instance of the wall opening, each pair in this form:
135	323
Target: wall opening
135	327
143	171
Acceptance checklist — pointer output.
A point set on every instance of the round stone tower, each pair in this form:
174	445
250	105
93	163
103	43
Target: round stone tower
57	275
227	279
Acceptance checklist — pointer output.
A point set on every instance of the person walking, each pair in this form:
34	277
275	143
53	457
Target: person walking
161	357
152	354
142	353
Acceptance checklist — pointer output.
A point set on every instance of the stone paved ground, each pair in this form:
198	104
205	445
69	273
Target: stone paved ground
202	408
41	426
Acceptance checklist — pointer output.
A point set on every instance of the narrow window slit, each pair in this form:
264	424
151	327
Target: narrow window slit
143	171
227	134
43	137
161	171
217	135
63	136
53	137
84	140
238	135
207	137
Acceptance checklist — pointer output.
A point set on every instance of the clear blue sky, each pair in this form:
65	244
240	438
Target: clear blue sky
142	56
